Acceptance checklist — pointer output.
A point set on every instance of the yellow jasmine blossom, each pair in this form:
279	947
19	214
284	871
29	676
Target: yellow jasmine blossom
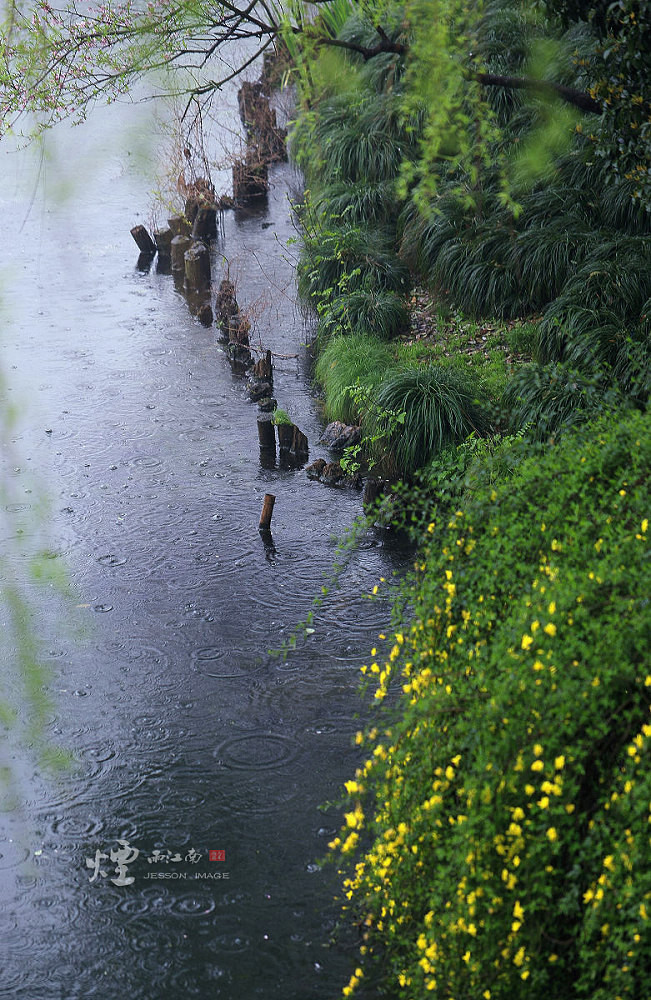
551	834
538	750
538	765
550	628
543	803
518	912
559	762
552	607
526	641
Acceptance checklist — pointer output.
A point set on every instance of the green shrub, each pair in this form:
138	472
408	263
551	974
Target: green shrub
440	406
547	399
500	820
347	361
345	259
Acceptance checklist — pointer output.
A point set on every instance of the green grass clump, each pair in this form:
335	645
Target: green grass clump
499	824
281	416
381	313
440	407
347	361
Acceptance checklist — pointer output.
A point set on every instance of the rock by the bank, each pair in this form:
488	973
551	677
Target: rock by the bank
339	436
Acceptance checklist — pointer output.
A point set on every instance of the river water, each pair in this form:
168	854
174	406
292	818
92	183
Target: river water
188	735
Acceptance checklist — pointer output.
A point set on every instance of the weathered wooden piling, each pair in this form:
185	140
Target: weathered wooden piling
267	511
266	431
250	177
197	265
178	248
204	226
238	329
299	442
163	240
263	369
285	436
143	240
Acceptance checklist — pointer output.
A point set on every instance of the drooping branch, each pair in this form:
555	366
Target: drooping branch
384	45
577	98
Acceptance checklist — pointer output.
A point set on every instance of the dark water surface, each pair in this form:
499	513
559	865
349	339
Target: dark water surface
189	736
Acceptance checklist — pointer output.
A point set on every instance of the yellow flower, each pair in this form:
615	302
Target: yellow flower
518	912
550	628
552	607
559	762
543	802
526	641
518	958
551	834
538	765
538	750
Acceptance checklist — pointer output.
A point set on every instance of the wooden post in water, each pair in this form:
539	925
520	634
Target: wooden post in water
144	240
267	511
